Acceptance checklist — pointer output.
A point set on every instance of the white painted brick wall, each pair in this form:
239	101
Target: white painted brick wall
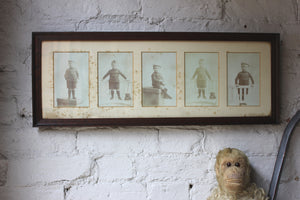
165	190
3	170
173	141
173	167
136	163
207	9
121	141
33	193
113	168
16	143
239	138
28	172
107	191
264	11
200	191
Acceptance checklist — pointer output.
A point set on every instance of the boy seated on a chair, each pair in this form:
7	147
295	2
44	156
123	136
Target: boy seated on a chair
158	82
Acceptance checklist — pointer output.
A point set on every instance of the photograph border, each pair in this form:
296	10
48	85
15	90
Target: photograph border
260	71
218	104
273	39
88	79
142	96
132	92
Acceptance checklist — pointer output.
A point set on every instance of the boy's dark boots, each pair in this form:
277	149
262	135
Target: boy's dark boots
165	94
112	94
119	97
203	92
73	94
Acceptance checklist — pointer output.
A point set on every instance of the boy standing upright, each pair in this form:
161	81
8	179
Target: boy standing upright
71	76
202	75
114	81
242	82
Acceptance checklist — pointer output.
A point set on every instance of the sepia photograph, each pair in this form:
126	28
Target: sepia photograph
71	79
243	79
201	79
115	79
159	78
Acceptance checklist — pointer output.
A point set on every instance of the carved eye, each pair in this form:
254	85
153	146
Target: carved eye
228	164
237	164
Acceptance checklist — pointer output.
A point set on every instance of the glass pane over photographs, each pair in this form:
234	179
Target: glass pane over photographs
159	79
115	79
201	79
243	79
71	79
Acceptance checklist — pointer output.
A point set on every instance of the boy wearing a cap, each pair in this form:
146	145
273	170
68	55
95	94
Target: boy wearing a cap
71	76
158	82
242	81
114	82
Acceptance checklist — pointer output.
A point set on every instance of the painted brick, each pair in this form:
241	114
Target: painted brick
241	25
298	12
294	147
118	141
202	191
289	190
166	190
28	142
119	7
174	167
114	168
117	24
179	25
291	168
262	11
238	137
42	170
32	193
290	36
47	11
3	170
179	141
293	78
10	110
108	191
262	170
290	61
206	9
290	94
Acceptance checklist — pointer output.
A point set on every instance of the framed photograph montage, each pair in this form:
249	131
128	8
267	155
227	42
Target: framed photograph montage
154	78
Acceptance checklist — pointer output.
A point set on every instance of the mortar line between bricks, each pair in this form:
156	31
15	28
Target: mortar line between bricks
76	142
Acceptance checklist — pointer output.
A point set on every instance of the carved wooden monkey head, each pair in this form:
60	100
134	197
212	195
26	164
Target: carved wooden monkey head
232	170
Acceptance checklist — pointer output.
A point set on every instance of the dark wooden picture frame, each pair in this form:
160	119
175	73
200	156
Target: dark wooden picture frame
227	42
